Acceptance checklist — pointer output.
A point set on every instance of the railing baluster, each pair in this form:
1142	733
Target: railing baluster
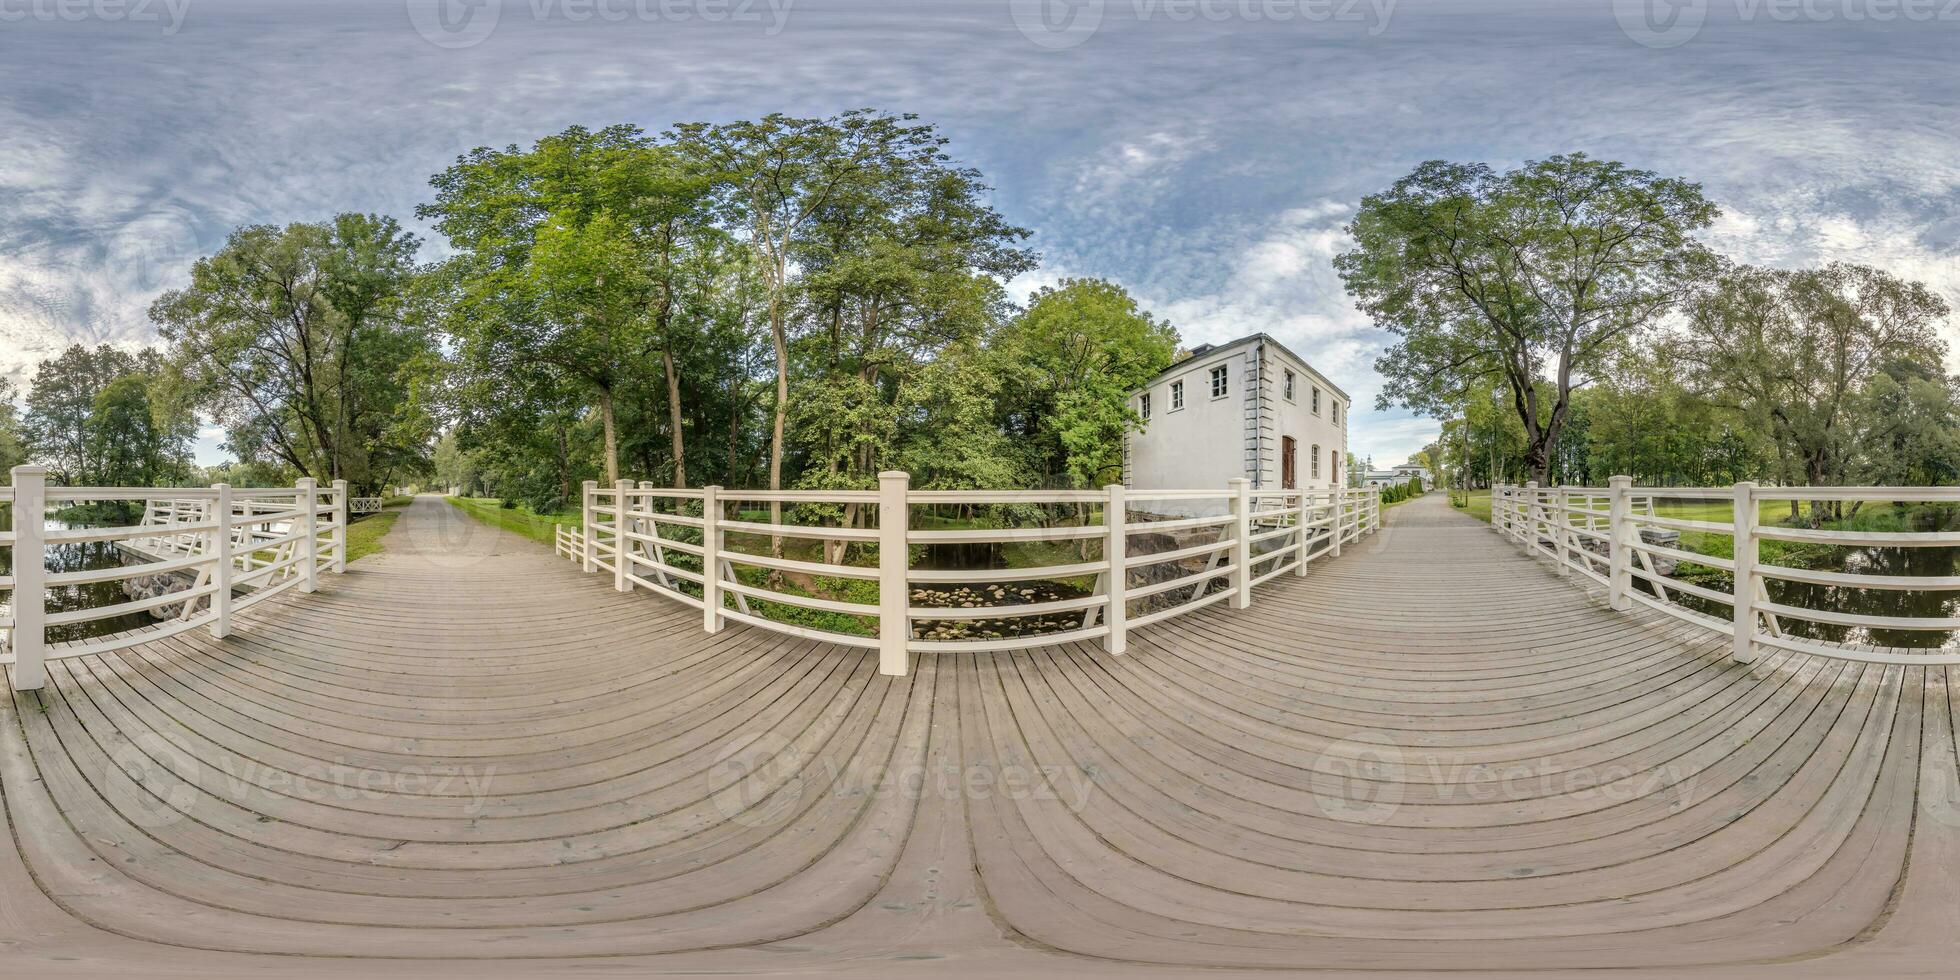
711	618
1744	523
1242	548
622	524
339	526
221	570
1116	612
1619	543
587	520
30	598
894	566
306	492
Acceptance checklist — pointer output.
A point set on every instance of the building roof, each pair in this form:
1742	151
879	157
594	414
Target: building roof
1205	349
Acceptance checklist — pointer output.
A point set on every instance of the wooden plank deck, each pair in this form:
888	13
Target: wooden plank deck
1431	754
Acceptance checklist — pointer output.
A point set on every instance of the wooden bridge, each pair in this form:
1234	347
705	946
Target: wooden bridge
1430	753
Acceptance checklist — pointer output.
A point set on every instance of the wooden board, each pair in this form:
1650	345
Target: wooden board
465	757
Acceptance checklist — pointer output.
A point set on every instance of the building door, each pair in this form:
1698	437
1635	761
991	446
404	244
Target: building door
1288	474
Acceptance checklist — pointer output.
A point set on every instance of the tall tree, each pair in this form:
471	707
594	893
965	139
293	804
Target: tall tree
788	184
571	254
305	343
1546	271
1072	360
13	436
1795	351
61	400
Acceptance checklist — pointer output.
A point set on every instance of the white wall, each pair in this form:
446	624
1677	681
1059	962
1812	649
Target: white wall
1205	443
1201	445
1297	418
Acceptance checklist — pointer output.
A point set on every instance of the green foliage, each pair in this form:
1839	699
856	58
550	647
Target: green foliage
1073	358
515	517
1841	366
364	534
103	416
13	436
308	344
1547	271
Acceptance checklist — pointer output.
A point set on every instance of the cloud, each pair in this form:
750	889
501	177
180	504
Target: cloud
1207	166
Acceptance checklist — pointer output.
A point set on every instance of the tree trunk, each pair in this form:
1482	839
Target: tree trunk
777	334
612	435
674	418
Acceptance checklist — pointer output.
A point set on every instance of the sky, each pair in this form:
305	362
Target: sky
1205	154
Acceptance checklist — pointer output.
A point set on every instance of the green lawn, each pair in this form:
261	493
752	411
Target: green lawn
518	520
364	533
1478	505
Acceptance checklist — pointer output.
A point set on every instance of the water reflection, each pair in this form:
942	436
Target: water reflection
78	557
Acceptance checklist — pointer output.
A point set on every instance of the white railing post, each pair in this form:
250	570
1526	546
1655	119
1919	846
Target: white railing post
1337	522
1116	546
30	600
1531	515
894	567
622	504
1745	573
1561	523
589	493
711	559
1374	510
1242	542
221	568
1620	535
340	526
309	506
1303	536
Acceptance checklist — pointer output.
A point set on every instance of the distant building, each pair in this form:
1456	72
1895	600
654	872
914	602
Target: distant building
1249	408
1399	475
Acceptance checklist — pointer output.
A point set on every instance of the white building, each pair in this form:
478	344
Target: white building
1398	476
1249	408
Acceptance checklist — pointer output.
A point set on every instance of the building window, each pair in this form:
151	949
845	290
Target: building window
1289	386
1219	388
1177	395
1337	413
1316	401
1143	406
1313	463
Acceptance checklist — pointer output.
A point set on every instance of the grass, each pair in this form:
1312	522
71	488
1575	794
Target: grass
1476	503
364	534
517	520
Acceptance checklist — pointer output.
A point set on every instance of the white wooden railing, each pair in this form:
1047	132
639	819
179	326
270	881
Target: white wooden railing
1604	535
685	546
268	541
363	505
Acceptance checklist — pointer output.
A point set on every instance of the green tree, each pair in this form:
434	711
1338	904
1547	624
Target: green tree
1543	272
1798	352
13	435
307	344
1073	359
60	402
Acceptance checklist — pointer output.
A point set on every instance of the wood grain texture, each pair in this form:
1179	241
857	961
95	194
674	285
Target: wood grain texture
465	758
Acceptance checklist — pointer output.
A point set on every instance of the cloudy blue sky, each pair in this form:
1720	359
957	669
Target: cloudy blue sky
1204	153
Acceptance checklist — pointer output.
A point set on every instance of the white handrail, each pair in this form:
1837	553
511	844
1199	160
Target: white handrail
674	543
1543	521
266	540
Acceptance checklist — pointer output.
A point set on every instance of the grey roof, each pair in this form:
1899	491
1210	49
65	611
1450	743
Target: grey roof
1203	349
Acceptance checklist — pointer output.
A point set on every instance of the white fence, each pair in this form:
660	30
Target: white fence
1601	535
684	545
363	505
225	540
